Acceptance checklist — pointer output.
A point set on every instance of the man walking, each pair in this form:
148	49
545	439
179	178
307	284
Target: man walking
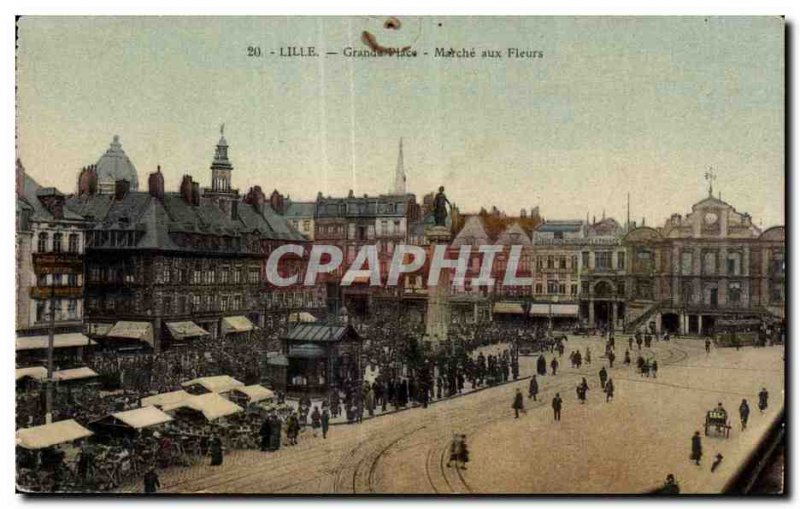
533	388
603	377
518	404
554	365
697	448
557	407
744	413
763	398
326	422
151	481
609	389
264	432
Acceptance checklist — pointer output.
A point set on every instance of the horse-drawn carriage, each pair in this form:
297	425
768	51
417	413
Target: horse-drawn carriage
718	421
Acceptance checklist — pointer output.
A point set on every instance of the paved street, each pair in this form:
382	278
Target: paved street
628	445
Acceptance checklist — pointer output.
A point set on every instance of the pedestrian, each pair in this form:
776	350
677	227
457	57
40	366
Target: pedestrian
316	420
670	486
151	481
697	448
326	422
654	368
583	388
554	365
541	366
744	413
763	397
630	342
557	407
609	390
708	345
463	455
627	359
588	355
455	450
275	432
717	461
517	405
603	377
370	402
533	388
264	433
215	447
611	358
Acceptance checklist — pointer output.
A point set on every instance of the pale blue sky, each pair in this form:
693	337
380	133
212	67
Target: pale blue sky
617	105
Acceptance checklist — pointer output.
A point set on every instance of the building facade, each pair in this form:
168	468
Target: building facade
165	267
50	257
708	265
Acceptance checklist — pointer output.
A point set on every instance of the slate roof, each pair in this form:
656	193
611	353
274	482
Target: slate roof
560	226
299	209
158	219
32	191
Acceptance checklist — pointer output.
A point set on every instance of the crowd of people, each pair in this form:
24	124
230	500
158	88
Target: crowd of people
403	371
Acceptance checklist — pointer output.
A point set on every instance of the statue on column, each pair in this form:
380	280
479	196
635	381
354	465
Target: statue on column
440	204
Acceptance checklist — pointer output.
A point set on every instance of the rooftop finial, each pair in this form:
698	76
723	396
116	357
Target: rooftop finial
710	177
222	129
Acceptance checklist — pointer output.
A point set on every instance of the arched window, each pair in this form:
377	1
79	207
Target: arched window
57	242
73	243
42	244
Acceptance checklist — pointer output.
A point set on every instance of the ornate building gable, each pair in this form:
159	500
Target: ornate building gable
473	233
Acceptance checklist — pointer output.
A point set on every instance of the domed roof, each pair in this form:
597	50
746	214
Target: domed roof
114	165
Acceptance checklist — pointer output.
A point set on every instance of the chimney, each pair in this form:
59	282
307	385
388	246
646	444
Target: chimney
186	189
87	181
155	184
121	188
255	197
195	193
235	210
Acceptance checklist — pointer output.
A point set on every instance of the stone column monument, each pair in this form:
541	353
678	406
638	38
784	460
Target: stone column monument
437	320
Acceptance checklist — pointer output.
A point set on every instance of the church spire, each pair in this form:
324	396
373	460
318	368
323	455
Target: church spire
400	173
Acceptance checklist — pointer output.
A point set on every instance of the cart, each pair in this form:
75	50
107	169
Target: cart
718	421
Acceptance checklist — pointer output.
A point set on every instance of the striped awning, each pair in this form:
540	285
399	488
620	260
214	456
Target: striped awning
181	330
236	324
511	308
67	340
554	310
143	331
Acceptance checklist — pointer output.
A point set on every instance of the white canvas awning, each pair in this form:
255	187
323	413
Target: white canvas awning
36	372
181	330
48	435
142	417
236	324
511	308
302	316
211	405
67	340
143	331
255	393
554	310
100	329
74	374
221	383
165	399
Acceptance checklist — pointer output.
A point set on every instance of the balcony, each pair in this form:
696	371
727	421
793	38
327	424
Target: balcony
45	292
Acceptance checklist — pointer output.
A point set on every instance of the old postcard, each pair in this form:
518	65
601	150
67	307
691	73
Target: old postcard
400	255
